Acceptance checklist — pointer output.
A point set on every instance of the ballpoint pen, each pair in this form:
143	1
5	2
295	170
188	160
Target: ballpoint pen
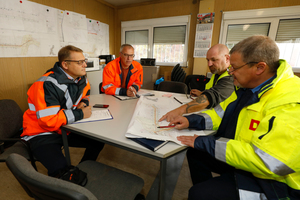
136	95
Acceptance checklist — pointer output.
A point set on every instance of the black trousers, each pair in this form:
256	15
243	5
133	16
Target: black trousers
48	150
205	186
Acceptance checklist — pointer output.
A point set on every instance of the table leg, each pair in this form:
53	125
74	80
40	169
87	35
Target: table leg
66	146
166	180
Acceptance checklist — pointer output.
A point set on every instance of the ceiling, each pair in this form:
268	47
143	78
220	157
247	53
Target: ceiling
124	2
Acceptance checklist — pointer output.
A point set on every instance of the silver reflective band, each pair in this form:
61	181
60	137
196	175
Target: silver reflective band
117	91
107	86
208	121
273	164
77	102
220	149
31	107
247	195
219	110
70	116
47	112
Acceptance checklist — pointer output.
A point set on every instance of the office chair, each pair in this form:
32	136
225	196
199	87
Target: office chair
104	182
11	123
173	86
175	71
196	82
100	86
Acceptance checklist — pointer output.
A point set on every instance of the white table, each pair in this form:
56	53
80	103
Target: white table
112	132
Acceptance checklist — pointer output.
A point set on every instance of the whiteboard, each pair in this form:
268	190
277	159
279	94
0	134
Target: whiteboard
29	29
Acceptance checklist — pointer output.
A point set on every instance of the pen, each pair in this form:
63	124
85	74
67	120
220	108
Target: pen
166	126
136	95
177	100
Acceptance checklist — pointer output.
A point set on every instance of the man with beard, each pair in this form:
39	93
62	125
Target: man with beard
216	90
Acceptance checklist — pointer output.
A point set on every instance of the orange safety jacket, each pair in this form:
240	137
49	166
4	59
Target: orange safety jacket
52	101
112	77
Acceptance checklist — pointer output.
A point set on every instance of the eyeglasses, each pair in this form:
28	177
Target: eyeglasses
236	68
79	62
127	55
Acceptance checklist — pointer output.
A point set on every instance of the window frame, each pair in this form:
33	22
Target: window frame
266	15
149	24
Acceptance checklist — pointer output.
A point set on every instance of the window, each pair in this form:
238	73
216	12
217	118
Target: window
165	39
281	24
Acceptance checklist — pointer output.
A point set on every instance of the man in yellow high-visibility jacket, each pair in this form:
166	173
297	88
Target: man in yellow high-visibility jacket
257	144
216	90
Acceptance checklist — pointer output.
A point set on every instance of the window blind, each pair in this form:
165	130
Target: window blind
237	33
139	37
288	29
170	34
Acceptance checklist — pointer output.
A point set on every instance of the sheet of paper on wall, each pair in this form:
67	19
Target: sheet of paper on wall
97	115
144	122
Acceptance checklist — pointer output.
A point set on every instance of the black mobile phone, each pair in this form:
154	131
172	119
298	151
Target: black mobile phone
100	106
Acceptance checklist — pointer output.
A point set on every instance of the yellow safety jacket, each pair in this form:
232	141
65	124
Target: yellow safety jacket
267	137
212	80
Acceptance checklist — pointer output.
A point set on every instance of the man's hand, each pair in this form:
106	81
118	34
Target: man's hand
180	122
131	92
87	111
195	93
170	116
187	140
81	105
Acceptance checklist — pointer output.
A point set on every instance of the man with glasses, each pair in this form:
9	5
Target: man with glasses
123	76
256	147
59	97
216	90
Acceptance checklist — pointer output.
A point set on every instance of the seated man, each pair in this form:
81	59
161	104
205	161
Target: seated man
59	97
256	147
216	90
123	76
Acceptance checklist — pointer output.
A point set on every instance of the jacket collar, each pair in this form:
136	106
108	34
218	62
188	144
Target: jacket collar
284	72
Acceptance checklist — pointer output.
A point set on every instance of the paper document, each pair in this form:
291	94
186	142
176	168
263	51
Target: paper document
97	115
124	97
144	121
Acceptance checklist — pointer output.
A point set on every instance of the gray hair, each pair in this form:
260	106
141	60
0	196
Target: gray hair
125	45
258	48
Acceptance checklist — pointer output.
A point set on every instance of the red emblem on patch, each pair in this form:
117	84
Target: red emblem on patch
254	124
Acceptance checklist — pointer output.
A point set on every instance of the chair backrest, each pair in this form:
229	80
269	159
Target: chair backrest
175	71
173	86
100	86
196	82
40	186
11	118
178	74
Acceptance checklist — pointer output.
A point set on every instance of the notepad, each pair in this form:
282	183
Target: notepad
97	115
122	98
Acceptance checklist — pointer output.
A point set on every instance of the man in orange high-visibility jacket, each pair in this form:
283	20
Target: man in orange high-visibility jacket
59	97
123	76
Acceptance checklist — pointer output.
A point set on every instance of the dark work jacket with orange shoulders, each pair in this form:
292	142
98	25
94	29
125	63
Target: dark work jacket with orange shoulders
112	77
52	102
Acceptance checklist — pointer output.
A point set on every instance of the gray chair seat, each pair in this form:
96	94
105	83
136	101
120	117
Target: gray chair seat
104	182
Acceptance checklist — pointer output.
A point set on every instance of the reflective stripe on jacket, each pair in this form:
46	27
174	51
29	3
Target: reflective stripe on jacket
112	77
267	138
52	102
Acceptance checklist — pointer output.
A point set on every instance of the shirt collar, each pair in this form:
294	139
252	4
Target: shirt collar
70	77
258	87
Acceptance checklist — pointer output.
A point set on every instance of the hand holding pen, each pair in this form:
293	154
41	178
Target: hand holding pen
134	92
